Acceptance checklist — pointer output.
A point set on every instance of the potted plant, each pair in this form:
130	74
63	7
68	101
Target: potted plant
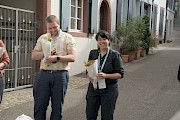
146	34
134	34
120	37
140	28
130	35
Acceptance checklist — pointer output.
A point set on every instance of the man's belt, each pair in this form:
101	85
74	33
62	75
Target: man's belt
50	71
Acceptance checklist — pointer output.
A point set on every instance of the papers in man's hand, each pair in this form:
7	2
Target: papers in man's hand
92	69
47	49
2	50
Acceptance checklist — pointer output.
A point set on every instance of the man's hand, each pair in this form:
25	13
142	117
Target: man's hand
51	59
53	51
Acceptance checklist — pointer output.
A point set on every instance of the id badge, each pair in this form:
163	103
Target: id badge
101	84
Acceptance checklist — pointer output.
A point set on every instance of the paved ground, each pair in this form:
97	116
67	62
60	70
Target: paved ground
13	98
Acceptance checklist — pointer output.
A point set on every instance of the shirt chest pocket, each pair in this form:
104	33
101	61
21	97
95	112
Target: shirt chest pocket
108	67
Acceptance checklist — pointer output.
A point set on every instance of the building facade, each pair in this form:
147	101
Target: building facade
169	20
22	22
177	13
162	19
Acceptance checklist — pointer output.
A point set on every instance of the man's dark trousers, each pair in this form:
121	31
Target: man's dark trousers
49	85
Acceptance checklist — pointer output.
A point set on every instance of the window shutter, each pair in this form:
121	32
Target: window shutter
130	9
119	7
94	16
65	15
142	9
125	10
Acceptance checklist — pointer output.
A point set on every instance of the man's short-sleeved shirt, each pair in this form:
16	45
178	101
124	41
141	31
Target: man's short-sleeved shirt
62	44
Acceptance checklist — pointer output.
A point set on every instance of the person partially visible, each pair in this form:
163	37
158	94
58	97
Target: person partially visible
4	61
110	69
52	80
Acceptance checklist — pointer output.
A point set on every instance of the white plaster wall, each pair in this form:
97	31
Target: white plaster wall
83	47
158	18
113	15
161	4
55	5
170	17
147	1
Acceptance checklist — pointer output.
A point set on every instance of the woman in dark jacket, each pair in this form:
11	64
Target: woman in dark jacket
110	69
4	61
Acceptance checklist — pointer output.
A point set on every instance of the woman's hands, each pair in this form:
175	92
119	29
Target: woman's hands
101	75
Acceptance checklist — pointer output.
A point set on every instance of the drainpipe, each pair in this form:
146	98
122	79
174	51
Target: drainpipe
165	30
60	13
152	16
89	16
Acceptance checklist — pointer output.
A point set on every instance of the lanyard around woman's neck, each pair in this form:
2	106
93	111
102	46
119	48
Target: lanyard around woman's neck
100	67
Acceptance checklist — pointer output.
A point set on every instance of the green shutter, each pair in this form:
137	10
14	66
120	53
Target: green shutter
142	9
94	16
65	15
118	11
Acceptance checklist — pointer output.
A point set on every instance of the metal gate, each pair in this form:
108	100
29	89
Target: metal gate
17	30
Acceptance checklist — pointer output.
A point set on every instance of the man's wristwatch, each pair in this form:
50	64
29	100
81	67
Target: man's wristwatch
58	58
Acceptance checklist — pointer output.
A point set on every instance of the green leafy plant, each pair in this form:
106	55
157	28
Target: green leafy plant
130	34
152	41
146	34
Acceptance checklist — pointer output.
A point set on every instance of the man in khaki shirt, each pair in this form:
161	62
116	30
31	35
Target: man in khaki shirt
52	79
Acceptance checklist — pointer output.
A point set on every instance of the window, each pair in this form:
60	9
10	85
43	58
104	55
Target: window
76	15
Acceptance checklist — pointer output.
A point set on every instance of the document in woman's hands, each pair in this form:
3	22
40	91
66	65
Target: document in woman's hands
92	69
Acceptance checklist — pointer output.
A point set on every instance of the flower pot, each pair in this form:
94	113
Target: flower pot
131	56
143	52
137	54
125	58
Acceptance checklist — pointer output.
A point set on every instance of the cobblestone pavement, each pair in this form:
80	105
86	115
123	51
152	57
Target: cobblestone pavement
17	97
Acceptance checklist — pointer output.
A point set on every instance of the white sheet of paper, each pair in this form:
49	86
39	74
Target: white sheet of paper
47	49
101	83
1	51
93	70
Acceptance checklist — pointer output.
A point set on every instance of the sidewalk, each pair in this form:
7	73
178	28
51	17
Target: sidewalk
13	98
17	97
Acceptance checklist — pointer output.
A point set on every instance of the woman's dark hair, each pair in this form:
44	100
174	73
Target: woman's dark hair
103	34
